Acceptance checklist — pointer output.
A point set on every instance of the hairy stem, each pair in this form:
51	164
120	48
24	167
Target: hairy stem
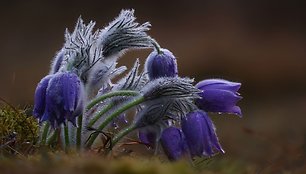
157	46
66	137
45	133
122	133
79	132
53	137
109	95
99	115
112	116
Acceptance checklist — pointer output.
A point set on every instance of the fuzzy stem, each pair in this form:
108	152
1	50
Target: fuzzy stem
53	137
157	46
45	133
99	115
79	132
66	137
109	95
122	133
112	116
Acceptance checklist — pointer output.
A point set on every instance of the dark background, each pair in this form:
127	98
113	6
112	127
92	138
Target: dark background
260	43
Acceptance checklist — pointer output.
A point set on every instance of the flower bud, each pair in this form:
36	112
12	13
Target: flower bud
161	64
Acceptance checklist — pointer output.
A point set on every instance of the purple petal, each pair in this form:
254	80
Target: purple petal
173	143
213	139
235	110
71	90
218	84
200	134
161	65
148	137
40	97
192	127
45	116
215	100
55	101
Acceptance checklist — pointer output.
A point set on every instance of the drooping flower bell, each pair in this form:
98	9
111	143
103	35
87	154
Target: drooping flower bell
173	143
219	96
59	97
161	63
200	134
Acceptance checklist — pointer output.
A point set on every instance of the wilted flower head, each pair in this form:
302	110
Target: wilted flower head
161	64
173	143
219	96
59	97
170	87
124	33
200	134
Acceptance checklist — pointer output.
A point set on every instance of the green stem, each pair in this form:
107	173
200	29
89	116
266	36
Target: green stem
45	133
157	46
79	133
66	137
112	116
122	133
99	115
109	95
53	137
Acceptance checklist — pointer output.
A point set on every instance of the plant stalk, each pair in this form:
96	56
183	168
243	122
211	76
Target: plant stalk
45	133
100	114
66	137
112	116
109	95
121	134
79	133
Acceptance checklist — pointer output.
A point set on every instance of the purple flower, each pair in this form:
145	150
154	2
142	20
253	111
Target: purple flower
219	96
200	134
58	98
172	141
161	64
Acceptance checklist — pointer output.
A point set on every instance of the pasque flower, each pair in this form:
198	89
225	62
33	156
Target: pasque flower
200	134
159	98
58	98
219	96
161	63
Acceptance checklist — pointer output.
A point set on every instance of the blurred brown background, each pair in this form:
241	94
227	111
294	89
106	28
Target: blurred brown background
259	43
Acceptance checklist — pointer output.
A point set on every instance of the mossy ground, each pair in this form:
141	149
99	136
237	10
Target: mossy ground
20	154
18	131
88	163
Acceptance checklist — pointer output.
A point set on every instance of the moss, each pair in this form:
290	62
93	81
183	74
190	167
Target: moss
18	131
87	163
